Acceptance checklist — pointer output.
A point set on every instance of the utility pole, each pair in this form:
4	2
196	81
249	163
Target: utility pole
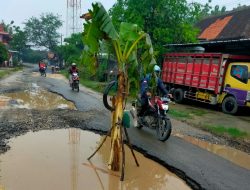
73	21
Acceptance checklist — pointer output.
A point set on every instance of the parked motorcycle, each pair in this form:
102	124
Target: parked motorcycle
75	81
155	116
43	71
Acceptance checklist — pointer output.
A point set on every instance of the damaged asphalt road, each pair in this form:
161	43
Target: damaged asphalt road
198	167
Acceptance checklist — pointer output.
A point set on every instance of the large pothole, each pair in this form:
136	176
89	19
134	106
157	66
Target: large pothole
34	98
57	159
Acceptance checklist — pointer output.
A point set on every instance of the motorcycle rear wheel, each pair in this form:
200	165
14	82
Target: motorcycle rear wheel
139	123
164	129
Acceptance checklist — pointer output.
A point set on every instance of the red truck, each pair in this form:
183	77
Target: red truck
213	78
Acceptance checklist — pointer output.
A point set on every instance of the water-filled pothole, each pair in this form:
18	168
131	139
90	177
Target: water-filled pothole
34	98
58	160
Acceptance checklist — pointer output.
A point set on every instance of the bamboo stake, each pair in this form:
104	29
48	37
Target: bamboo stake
100	144
123	155
130	146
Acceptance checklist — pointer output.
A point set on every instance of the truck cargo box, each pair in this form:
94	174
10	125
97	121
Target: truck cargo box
197	70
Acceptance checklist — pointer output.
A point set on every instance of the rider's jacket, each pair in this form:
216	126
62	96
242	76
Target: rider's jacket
42	65
73	70
145	86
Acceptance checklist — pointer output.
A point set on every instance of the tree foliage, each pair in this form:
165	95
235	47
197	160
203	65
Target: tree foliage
71	50
33	56
3	53
205	10
19	40
42	32
166	21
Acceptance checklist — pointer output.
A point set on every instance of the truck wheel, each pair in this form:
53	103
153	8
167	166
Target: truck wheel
178	95
229	105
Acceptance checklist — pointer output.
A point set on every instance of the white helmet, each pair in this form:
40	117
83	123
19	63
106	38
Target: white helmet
157	68
73	64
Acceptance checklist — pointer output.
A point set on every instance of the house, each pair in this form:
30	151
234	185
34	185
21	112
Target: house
4	36
227	33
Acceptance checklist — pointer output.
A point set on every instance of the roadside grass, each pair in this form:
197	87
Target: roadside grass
94	85
179	114
221	130
215	129
186	114
198	112
4	72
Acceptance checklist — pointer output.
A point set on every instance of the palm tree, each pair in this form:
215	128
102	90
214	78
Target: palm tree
125	45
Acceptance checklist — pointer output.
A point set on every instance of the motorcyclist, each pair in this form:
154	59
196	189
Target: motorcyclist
151	83
73	69
42	66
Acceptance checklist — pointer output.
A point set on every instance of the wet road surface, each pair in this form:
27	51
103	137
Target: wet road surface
199	168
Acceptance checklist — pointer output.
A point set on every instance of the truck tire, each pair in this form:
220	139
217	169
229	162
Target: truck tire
229	105
178	95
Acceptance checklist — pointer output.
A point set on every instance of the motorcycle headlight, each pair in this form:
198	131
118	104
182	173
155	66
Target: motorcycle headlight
248	96
165	107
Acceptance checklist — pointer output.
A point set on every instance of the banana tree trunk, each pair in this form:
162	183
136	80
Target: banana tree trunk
115	152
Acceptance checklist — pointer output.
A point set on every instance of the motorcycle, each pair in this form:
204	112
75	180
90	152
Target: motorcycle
75	81
155	116
52	69
42	71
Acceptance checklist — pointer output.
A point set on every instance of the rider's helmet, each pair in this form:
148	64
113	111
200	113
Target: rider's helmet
73	64
157	69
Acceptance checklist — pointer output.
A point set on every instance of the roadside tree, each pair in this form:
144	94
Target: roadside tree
71	50
42	32
19	40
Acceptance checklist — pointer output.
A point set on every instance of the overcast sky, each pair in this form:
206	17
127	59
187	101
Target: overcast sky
21	10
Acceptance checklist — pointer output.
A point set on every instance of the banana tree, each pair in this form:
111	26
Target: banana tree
124	44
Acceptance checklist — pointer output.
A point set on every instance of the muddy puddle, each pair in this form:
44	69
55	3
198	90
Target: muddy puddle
236	156
34	98
58	160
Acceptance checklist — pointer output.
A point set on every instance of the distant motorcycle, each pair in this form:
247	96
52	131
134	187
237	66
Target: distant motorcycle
75	81
42	71
57	69
52	69
155	116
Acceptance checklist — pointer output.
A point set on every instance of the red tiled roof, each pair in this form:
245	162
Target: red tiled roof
215	28
231	25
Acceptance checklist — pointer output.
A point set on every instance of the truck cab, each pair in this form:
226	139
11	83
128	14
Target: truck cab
236	87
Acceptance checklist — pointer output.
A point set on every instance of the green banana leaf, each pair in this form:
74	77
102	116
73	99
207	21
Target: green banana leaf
125	45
